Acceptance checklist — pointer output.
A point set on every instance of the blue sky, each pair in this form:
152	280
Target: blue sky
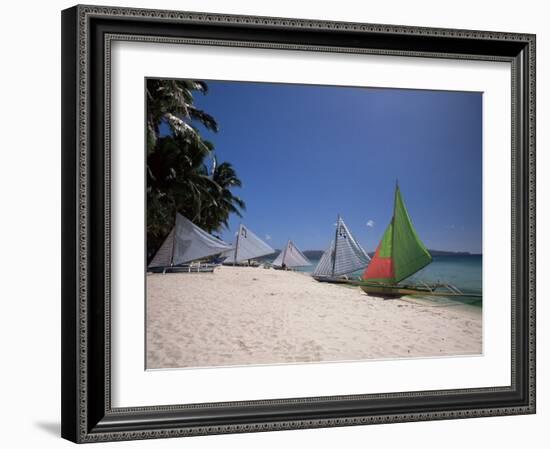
307	153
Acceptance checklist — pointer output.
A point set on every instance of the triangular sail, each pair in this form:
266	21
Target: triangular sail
380	268
343	257
247	246
188	243
400	253
326	264
291	257
163	257
350	256
409	253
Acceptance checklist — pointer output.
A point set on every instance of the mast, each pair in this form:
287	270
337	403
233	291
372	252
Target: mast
335	244
173	231
393	218
237	244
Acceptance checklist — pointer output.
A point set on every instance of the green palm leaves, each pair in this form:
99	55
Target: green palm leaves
183	174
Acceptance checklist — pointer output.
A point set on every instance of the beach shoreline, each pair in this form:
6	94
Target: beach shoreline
254	316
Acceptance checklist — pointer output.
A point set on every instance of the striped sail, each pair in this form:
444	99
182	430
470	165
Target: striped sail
325	265
186	243
247	246
291	257
344	256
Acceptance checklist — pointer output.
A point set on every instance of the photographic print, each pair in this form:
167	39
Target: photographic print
291	223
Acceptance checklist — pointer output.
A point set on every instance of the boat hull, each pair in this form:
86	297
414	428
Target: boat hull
392	291
185	268
332	280
396	291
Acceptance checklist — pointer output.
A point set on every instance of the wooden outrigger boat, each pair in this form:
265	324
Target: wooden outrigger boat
290	257
193	267
343	257
399	255
248	246
439	289
188	249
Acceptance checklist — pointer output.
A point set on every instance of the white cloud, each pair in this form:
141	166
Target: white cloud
267	237
370	223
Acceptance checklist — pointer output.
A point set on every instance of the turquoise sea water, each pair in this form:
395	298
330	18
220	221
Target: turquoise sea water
464	272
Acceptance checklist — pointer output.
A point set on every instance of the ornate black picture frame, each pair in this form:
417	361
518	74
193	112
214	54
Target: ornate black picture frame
87	34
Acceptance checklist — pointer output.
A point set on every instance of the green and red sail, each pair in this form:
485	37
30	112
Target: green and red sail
400	253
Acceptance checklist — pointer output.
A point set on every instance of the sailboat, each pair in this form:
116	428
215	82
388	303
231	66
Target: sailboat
248	246
344	256
399	255
291	257
184	246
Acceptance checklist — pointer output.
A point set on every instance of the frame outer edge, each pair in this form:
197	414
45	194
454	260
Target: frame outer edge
532	49
69	291
295	23
75	216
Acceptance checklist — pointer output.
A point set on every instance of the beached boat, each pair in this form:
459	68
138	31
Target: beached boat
401	254
248	246
344	256
290	257
187	249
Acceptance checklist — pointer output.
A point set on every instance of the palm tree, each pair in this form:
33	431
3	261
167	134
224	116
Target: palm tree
178	179
170	102
222	203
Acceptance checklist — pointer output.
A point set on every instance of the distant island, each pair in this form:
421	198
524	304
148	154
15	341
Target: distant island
310	254
316	254
435	252
313	253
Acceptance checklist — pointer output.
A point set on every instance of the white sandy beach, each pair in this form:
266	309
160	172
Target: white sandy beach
241	316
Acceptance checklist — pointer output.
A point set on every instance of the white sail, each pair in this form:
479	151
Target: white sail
185	243
163	257
291	257
325	265
344	256
247	246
